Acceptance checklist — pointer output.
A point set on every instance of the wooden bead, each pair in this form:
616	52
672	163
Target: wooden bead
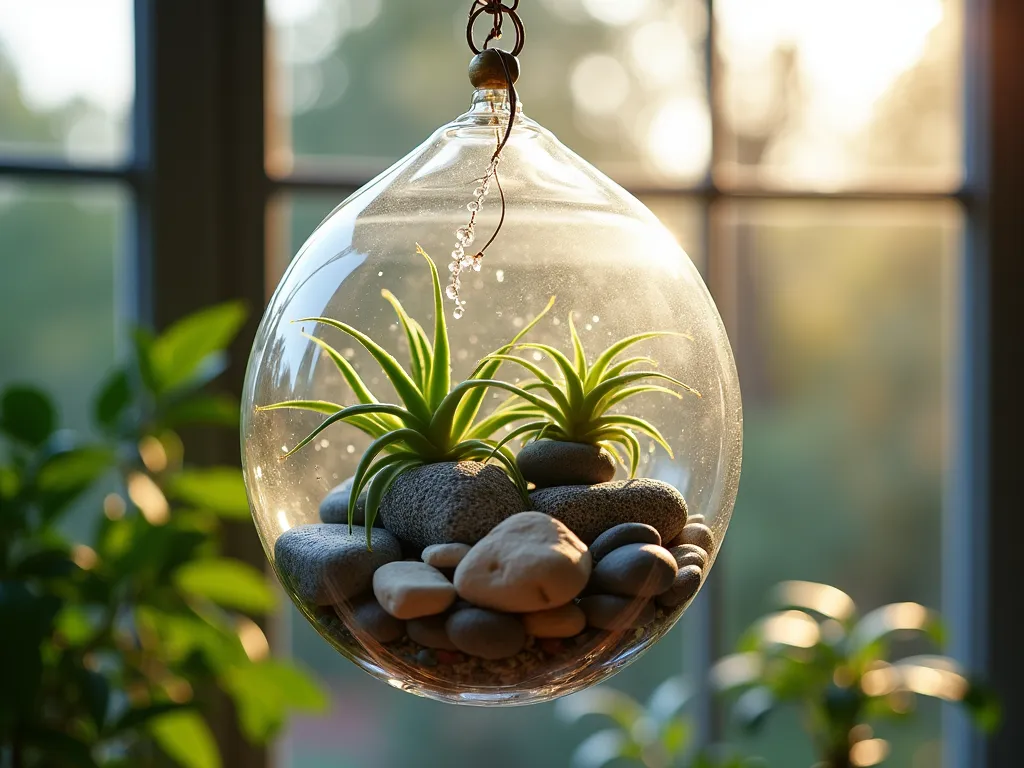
485	70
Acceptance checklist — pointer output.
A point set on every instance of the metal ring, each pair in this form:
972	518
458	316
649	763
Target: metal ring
483	6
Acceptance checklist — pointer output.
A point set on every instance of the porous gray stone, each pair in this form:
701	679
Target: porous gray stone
564	621
411	590
445	555
430	632
375	621
635	570
620	535
449	502
685	586
699	535
324	564
590	510
616	613
334	507
547	463
689	554
487	634
529	562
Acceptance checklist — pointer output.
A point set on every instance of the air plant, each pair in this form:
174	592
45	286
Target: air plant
436	422
583	403
816	654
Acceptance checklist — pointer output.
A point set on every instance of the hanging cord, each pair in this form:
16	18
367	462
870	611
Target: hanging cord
466	234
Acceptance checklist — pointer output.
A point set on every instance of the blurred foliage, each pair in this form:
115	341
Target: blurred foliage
110	654
655	734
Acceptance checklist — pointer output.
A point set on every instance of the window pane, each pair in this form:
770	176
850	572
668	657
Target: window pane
67	79
361	82
371	725
840	94
840	315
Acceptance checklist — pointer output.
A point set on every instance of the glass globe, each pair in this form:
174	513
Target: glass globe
492	575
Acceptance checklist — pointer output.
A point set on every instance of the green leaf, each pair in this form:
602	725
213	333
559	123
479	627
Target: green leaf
215	410
628	392
26	414
228	583
345	414
184	633
114	396
440	381
597	370
179	352
573	383
544	381
983	705
74	625
601	425
185	737
419	351
74	471
400	380
265	693
579	357
348	372
383	479
593	405
139	716
220	489
441	426
26	620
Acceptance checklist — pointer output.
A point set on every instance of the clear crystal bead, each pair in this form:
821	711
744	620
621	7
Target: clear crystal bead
458	312
452	292
473	206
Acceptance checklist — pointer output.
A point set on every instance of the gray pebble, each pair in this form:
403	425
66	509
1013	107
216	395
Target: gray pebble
616	613
449	502
689	554
590	510
324	564
699	535
487	634
685	586
620	535
635	570
430	632
378	623
427	658
547	463
334	507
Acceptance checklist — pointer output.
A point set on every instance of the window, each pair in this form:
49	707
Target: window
817	161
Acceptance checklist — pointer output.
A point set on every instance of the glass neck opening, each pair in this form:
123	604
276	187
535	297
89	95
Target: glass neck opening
492	101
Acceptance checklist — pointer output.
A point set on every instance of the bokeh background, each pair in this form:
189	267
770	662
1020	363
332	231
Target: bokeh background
807	157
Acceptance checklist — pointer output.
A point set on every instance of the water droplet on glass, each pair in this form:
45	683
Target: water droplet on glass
350	448
458	312
589	327
596	319
380	274
500	274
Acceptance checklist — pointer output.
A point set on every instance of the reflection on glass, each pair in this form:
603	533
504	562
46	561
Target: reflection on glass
61	251
838	314
380	727
833	95
622	82
67	79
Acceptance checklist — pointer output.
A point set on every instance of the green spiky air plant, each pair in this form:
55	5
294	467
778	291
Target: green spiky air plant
435	422
580	408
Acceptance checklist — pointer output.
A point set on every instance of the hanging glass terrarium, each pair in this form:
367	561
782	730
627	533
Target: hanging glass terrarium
499	472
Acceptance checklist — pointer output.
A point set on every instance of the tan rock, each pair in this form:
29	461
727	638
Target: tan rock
445	555
409	590
564	621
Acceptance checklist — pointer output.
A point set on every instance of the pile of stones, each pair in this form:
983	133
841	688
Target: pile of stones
459	570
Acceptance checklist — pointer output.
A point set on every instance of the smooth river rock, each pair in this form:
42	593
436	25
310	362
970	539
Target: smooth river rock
326	565
410	590
689	554
530	562
430	632
547	463
564	621
620	535
635	570
487	634
699	535
590	510
449	502
616	613
375	621
334	507
445	555
684	587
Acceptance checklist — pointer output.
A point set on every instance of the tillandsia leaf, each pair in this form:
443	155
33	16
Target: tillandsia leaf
480	449
379	485
544	381
397	457
533	426
400	380
621	420
627	440
622	365
573	383
591	404
597	370
440	379
628	392
610	447
416	444
372	424
348	372
345	414
579	357
441	426
419	350
487	369
491	424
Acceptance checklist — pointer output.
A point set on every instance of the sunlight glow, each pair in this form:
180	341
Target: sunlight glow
791	628
253	641
679	139
820	598
147	496
869	752
599	84
616	12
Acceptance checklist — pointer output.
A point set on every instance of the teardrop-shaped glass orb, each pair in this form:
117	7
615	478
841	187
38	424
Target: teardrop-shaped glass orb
586	345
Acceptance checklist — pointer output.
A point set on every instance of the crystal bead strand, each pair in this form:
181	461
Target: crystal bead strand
464	237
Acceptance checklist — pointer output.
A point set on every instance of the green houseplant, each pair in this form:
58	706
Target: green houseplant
113	648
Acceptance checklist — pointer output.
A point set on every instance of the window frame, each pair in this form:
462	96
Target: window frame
202	195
